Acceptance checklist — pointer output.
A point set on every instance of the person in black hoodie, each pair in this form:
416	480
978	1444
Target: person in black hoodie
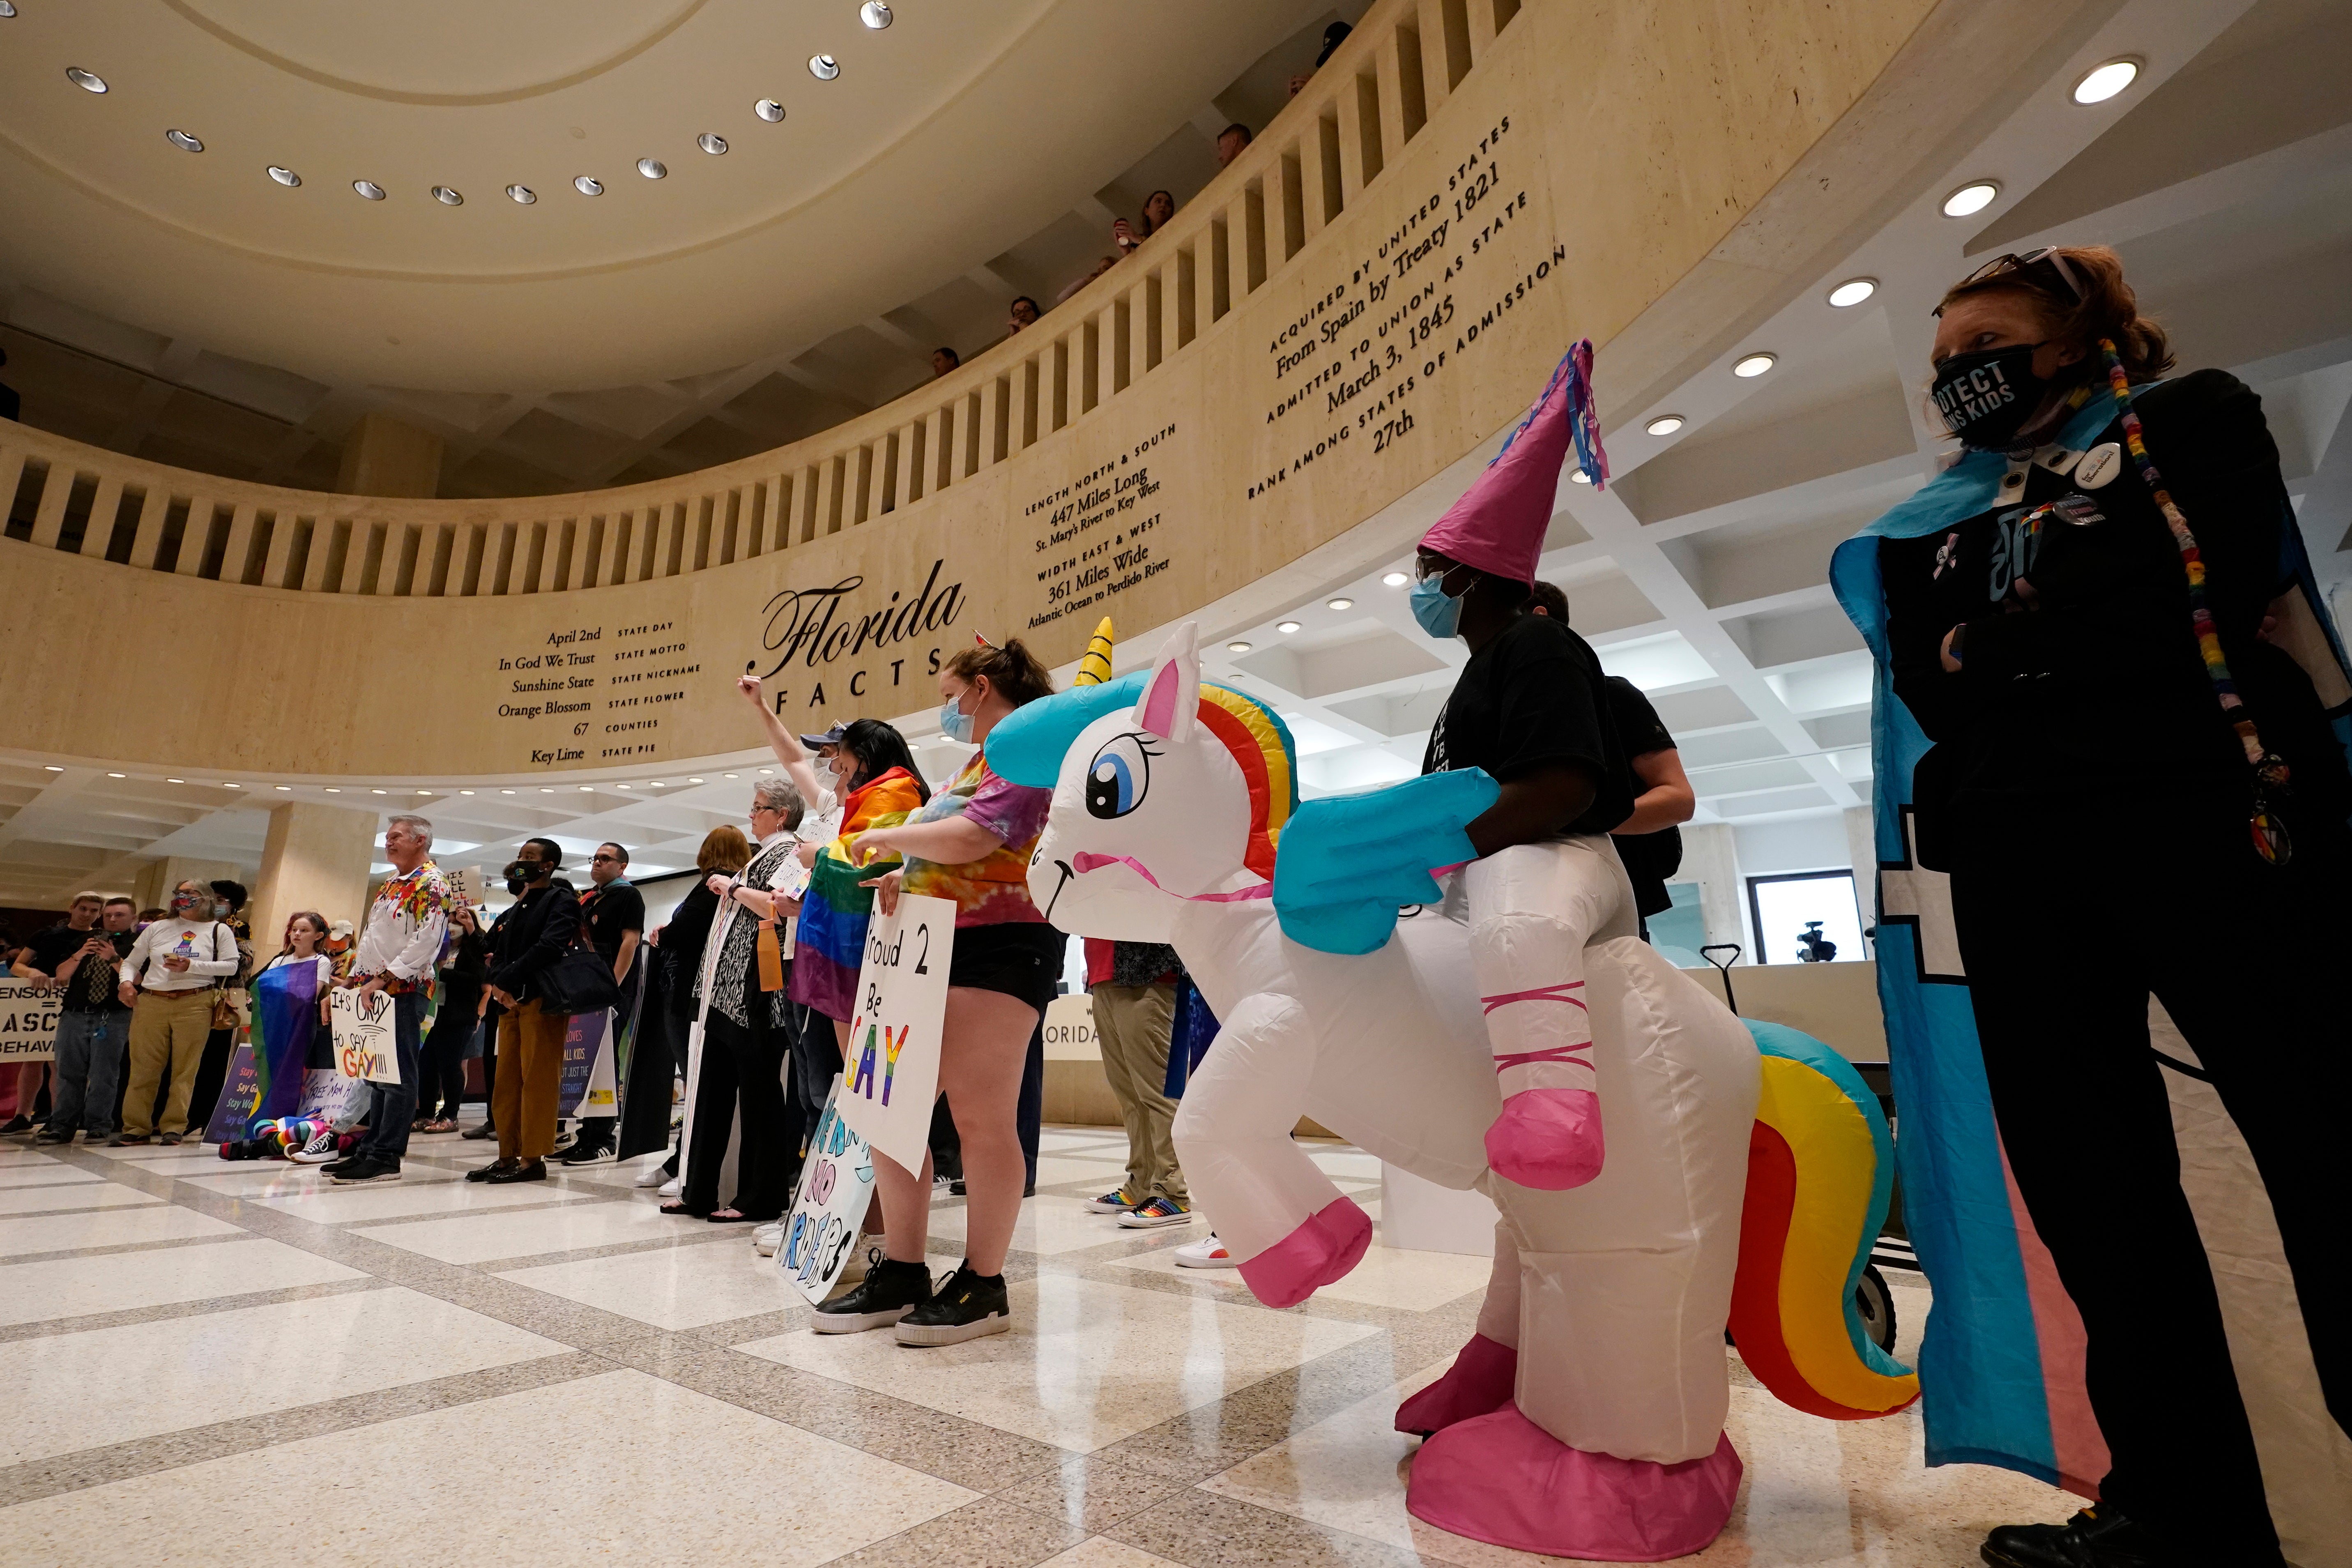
2135	790
528	938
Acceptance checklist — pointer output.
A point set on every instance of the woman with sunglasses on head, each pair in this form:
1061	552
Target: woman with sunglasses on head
2097	615
970	845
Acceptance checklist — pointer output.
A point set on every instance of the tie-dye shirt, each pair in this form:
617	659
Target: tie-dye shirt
993	890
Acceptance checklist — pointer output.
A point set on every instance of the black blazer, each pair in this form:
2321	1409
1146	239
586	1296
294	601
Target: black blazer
683	941
531	935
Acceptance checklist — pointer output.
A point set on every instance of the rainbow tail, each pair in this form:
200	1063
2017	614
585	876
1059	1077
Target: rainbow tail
1821	1169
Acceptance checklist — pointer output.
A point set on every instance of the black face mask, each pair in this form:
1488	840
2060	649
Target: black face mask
1986	397
521	875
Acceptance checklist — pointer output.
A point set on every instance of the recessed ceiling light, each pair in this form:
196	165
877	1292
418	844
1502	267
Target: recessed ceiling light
1853	291
2104	81
1342	604
653	168
166	781
1395	579
333	789
283	175
1749	366
1237	647
545	789
711	143
285	787
522	195
184	141
729	776
506	792
1970	198
589	185
1286	627
118	775
369	189
825	67
425	792
625	787
231	786
448	197
658	784
465	791
88	81
1664	425
694	781
874	15
766	771
375	791
769	109
587	789
52	767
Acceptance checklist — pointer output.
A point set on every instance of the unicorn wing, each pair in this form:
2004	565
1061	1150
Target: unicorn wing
1345	863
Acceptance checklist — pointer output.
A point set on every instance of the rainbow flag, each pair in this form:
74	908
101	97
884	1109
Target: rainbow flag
285	1019
830	944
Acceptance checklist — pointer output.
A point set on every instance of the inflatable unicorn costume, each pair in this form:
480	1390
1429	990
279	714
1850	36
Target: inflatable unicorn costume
1586	1417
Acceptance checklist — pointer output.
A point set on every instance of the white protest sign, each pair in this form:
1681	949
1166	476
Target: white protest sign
892	1070
365	1046
468	881
836	1185
29	1020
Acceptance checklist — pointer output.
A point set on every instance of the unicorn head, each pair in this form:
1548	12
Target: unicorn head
1165	791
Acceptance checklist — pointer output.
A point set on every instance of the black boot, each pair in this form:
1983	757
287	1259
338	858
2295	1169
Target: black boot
2095	1538
888	1292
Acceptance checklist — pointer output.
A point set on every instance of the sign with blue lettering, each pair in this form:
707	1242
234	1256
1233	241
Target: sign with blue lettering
891	1074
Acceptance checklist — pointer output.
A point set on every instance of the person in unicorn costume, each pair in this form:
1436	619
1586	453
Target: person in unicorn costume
1486	1042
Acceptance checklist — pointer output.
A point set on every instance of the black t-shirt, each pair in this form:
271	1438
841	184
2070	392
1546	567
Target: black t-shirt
2092	691
1650	858
1531	698
607	912
92	987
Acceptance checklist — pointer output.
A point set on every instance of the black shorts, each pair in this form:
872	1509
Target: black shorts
1018	958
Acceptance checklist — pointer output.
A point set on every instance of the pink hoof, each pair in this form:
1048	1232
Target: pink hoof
1502	1478
1332	1242
1548	1138
1479	1381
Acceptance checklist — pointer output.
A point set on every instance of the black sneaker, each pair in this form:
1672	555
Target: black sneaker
16	1124
587	1153
968	1306
364	1168
2094	1538
888	1292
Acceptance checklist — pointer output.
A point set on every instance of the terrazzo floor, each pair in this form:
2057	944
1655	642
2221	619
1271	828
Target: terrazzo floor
195	1354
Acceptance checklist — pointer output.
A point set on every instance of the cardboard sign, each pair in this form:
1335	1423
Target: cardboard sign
365	1045
892	1072
29	1020
468	881
836	1184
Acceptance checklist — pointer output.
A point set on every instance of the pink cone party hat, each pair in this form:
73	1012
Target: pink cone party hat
1498	524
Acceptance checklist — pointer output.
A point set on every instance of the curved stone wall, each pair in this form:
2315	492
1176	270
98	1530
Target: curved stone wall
1374	289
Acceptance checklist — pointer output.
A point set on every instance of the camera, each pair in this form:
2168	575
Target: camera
1812	946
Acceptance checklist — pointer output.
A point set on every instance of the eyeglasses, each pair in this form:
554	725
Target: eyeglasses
612	858
2048	257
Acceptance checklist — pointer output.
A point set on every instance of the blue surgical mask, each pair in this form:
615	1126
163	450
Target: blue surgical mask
1439	612
954	723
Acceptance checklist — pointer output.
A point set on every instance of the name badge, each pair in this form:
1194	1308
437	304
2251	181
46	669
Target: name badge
2099	465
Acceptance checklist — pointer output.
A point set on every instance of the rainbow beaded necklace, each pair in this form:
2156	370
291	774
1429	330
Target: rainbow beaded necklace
2269	831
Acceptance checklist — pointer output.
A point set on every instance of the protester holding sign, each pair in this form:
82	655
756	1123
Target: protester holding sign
970	846
398	949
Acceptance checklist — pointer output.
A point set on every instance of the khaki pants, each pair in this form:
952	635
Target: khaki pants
1133	1024
530	1067
168	1030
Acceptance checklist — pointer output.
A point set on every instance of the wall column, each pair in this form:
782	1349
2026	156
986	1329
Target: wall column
316	857
387	456
1711	858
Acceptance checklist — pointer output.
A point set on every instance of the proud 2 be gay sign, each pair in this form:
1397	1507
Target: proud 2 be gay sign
891	1074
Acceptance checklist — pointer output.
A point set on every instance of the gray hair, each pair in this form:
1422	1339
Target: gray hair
419	825
779	795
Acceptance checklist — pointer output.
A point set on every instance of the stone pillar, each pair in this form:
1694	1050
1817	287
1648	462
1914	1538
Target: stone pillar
1862	842
316	857
387	456
1711	858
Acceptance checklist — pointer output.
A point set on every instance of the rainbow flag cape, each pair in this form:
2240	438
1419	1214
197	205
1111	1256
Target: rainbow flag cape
284	1017
831	944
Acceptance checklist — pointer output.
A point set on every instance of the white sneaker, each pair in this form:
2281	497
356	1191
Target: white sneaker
316	1152
652	1175
670	1188
766	1239
1208	1254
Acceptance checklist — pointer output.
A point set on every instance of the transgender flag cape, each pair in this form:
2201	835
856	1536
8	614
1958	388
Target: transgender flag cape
285	1017
2000	1367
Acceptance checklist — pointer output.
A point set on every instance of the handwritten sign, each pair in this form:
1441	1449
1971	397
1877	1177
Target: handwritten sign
836	1185
365	1046
29	1020
892	1070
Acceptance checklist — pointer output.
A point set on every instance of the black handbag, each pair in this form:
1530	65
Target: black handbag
578	981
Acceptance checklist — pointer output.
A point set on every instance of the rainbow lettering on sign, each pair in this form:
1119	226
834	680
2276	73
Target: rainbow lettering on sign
862	1082
890	1067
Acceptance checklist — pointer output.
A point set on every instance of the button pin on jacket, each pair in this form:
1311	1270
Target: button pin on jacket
2099	465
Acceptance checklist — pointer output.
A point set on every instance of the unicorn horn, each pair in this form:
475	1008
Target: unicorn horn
1094	666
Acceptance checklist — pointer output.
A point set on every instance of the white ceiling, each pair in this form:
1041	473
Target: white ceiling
185	308
1702	573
